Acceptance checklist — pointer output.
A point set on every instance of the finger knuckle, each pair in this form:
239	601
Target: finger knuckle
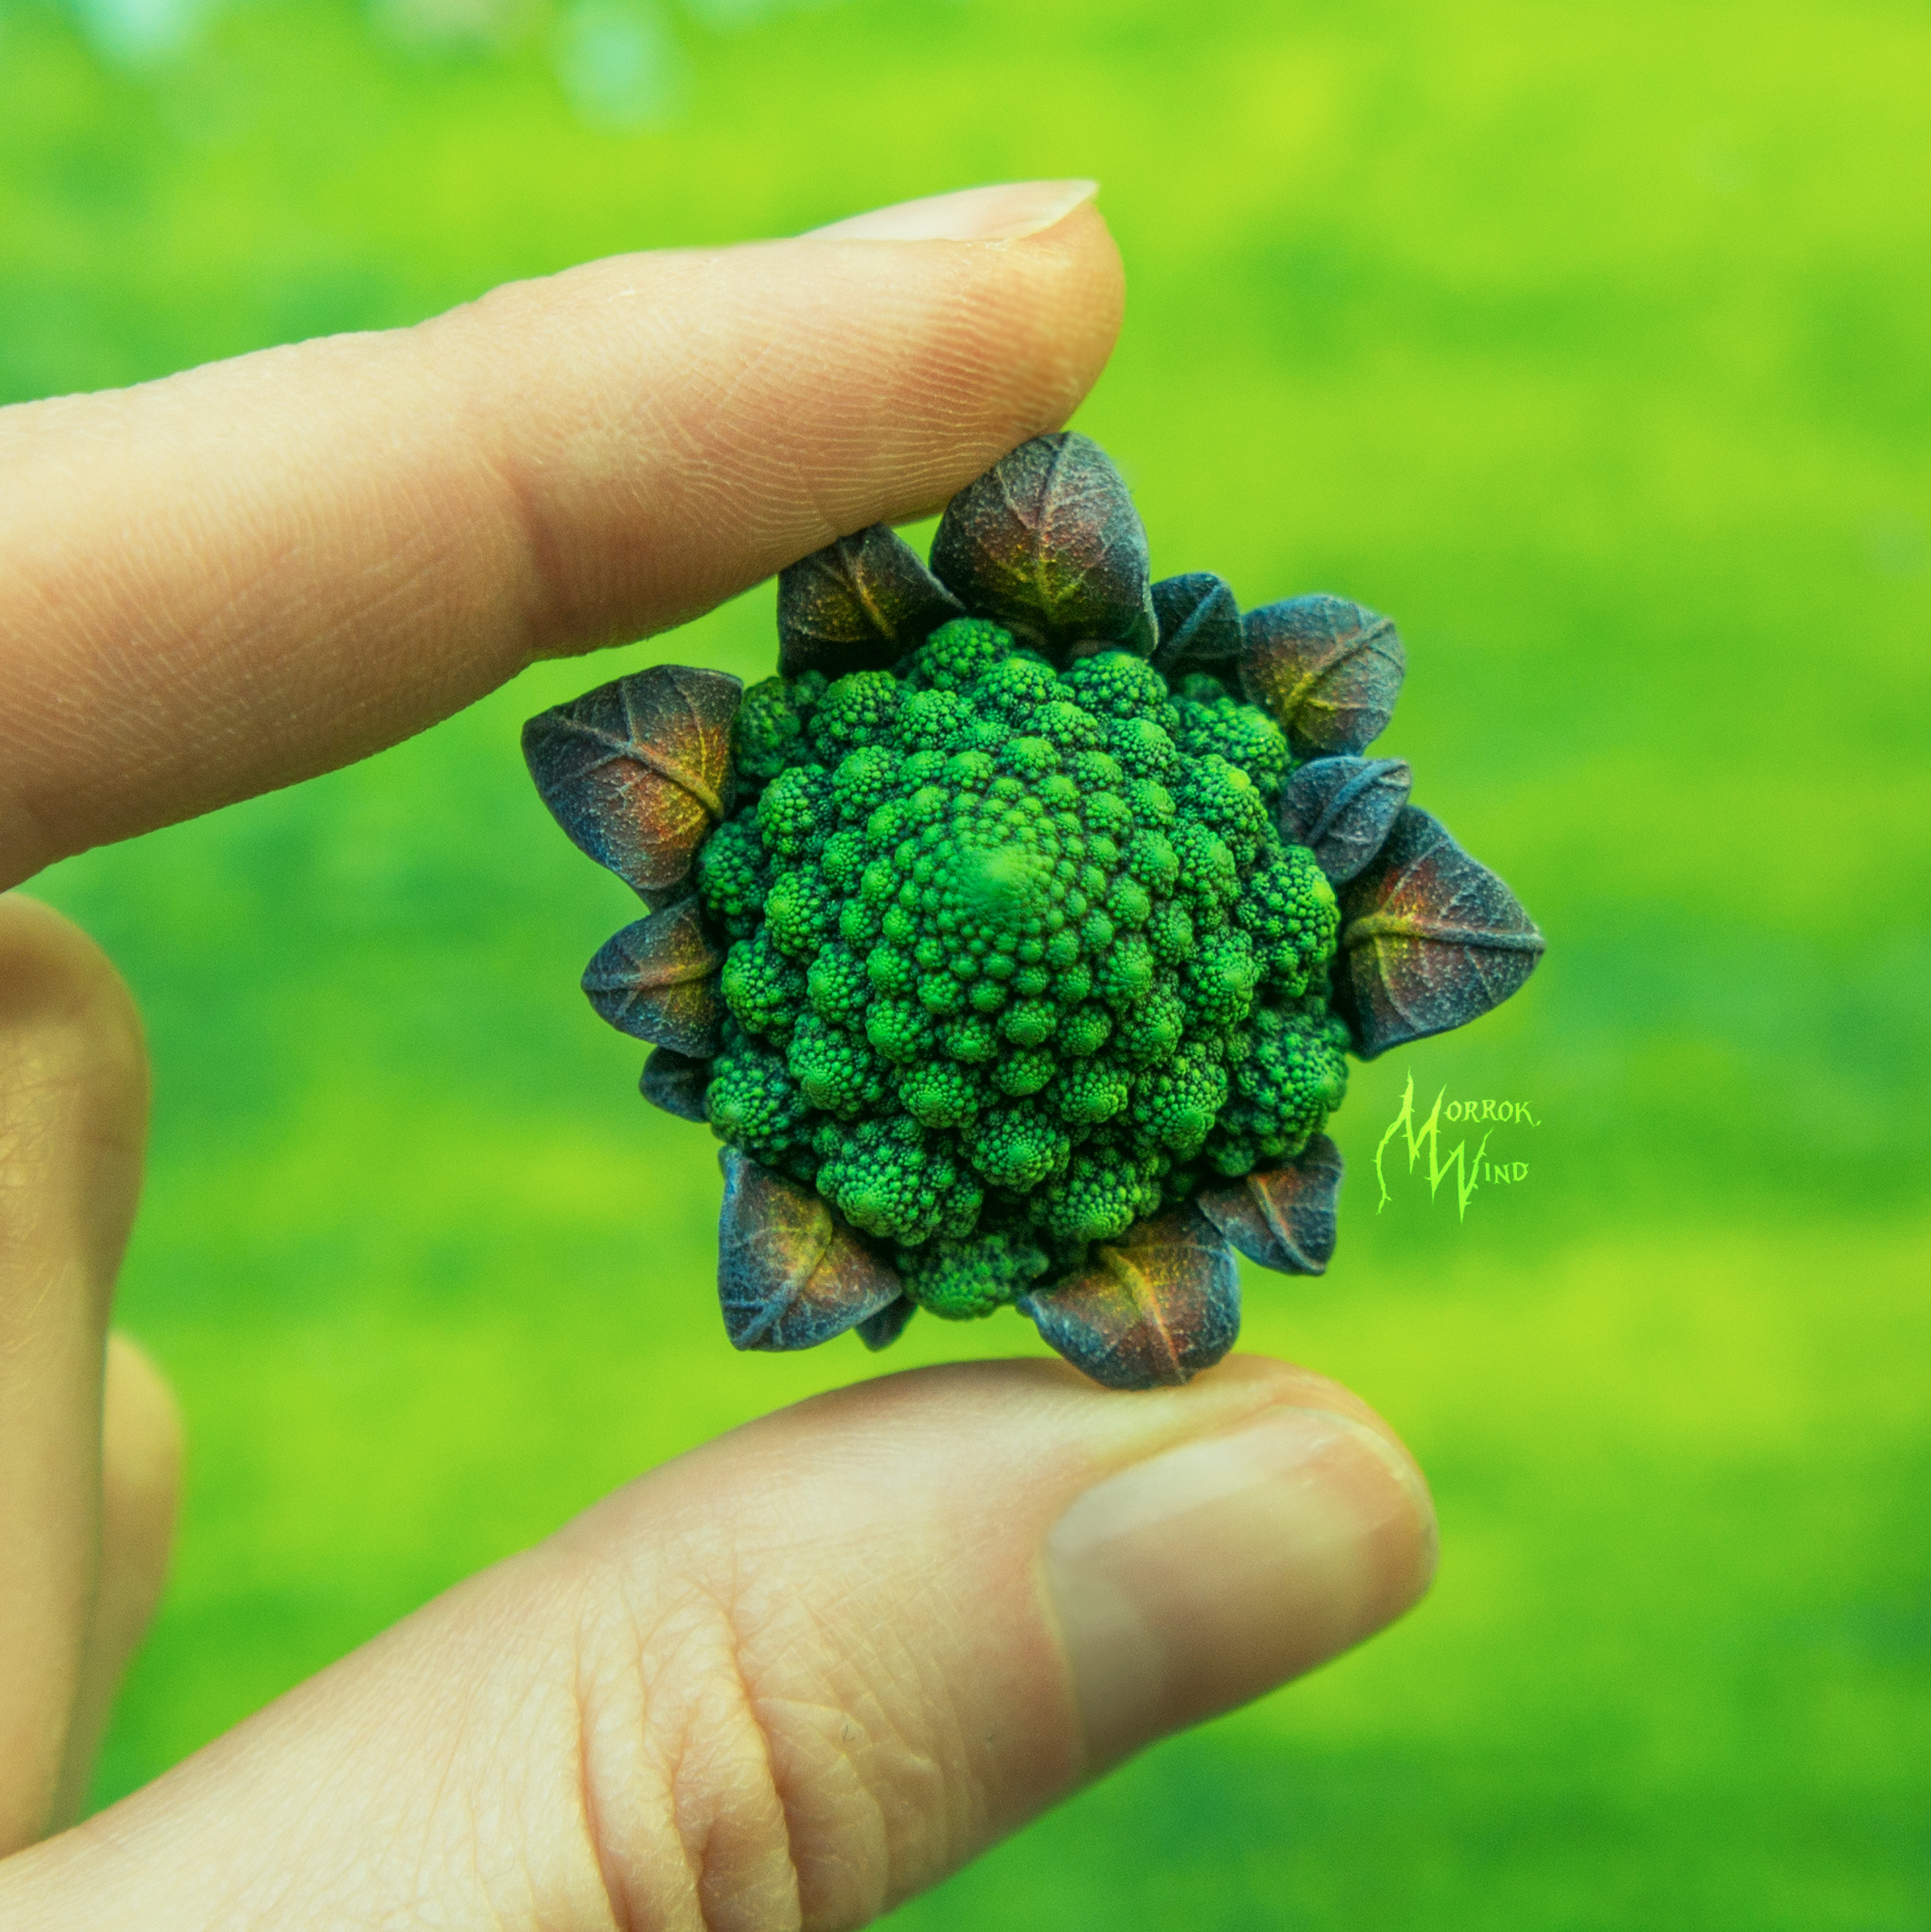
64	1012
679	1790
742	1770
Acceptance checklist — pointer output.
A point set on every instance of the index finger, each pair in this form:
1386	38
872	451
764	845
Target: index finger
250	573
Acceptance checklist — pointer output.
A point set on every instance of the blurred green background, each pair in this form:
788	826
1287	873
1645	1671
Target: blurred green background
1592	343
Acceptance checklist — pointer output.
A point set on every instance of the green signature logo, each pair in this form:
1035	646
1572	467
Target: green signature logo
1470	1171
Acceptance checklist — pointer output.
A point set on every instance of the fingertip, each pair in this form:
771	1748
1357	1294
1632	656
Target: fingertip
1232	1563
1079	254
1002	211
143	1451
140	1485
142	1448
707	418
1149	1559
73	1088
1296	1383
54	978
1196	1546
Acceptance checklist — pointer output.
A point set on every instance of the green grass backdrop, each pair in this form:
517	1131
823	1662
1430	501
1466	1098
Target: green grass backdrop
1593	343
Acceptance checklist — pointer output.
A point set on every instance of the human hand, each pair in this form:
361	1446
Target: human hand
810	1668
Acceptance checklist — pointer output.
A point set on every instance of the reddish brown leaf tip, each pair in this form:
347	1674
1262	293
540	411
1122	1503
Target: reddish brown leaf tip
1047	541
1152	1309
637	772
1430	940
858	604
790	1274
657	980
1283	1217
1328	669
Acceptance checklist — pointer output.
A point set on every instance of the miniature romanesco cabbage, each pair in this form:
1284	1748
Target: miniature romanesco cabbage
1012	937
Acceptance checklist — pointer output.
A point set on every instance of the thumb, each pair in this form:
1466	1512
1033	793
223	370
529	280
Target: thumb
795	1676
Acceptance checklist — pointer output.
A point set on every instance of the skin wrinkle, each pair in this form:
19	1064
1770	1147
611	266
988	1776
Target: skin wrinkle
415	589
820	500
160	716
540	558
126	583
523	1689
828	1815
584	1649
616	1891
787	1653
758	1660
752	1713
793	1725
477	1723
513	1886
731	1601
541	582
676	1653
905	1784
350	1884
969	1814
667	1743
419	1855
695	1800
735	476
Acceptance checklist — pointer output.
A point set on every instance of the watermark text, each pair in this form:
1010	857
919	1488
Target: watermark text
1468	1171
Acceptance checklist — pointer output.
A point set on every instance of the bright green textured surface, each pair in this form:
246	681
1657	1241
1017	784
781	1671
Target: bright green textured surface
1589	343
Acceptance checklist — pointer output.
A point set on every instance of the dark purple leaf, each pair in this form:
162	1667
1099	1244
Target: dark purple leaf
881	1330
639	771
790	1274
675	1083
1429	939
1328	671
1154	1307
1200	623
1283	1217
1048	544
858	604
1343	809
657	980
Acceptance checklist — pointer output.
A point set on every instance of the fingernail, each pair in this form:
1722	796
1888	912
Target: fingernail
1193	1581
1006	213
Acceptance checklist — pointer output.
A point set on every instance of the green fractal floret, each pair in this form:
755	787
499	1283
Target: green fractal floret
1017	956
